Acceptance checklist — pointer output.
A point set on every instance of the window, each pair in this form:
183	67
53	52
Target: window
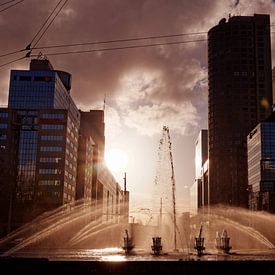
25	78
51	149
53	116
4	115
3	136
49	182
50	171
52	126
52	138
43	78
3	125
50	160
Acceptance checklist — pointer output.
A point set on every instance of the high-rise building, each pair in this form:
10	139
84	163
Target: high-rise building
199	190
50	152
273	83
261	166
39	142
240	96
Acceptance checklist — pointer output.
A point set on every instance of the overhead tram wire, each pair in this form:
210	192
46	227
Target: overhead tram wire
102	42
105	42
10	6
43	25
108	49
11	53
28	48
118	40
7	2
113	41
10	62
51	22
123	47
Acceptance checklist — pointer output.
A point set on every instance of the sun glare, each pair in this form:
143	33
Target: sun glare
116	160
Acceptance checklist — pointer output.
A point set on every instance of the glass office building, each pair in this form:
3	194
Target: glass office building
261	167
39	141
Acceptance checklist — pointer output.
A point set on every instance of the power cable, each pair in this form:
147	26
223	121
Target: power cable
6	3
14	52
103	42
10	6
123	48
10	62
48	18
50	22
117	40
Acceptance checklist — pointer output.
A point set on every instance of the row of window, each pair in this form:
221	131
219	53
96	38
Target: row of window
46	171
3	125
50	160
48	194
3	137
4	115
35	78
51	149
67	196
49	182
69	175
52	138
70	165
53	116
52	126
69	186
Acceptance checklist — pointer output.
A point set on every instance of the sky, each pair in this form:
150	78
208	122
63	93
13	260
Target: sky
145	88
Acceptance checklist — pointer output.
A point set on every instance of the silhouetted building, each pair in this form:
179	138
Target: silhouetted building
273	82
39	139
94	179
261	166
92	124
199	190
87	159
41	165
240	96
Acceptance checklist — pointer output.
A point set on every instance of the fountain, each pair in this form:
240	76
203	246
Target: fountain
199	243
156	247
128	243
222	242
79	230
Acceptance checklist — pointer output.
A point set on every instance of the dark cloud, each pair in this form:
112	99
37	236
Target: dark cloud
181	69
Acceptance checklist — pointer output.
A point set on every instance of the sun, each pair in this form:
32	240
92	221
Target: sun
116	160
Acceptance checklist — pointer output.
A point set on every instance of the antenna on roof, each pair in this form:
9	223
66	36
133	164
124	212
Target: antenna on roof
104	102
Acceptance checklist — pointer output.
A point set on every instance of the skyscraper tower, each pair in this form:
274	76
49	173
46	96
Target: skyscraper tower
240	96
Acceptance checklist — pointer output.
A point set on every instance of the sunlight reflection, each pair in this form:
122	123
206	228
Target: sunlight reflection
114	258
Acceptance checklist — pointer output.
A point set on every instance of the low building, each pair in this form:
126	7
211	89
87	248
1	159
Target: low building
261	166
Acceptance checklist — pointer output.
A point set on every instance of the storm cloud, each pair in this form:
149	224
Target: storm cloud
145	88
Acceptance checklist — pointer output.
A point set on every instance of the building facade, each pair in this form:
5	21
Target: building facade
261	166
199	191
39	139
94	179
51	153
273	83
240	96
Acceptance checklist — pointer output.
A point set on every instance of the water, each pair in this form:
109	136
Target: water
81	231
72	234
